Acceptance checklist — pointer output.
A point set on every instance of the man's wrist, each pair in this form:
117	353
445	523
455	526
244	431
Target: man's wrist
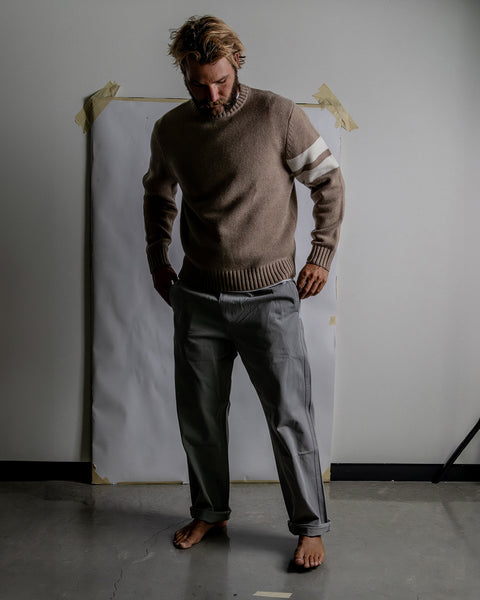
157	257
321	256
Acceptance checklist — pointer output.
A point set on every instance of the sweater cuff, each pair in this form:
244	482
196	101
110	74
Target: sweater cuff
157	255
321	256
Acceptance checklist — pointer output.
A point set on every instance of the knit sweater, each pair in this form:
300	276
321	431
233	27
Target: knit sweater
236	172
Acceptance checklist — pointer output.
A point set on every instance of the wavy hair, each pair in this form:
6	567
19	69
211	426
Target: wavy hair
206	40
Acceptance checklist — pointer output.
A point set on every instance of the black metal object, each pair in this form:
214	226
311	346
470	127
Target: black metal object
401	472
441	474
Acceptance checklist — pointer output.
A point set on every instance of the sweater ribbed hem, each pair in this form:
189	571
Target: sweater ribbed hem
321	256
241	280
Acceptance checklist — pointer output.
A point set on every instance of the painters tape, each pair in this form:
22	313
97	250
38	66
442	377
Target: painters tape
98	101
96	479
95	105
138	99
327	475
327	99
273	594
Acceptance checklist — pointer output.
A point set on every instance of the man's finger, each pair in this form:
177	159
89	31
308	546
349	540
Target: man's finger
305	289
312	287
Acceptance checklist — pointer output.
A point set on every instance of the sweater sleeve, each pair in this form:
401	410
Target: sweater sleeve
159	207
311	162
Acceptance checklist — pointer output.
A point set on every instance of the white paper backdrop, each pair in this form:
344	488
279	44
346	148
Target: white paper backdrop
135	431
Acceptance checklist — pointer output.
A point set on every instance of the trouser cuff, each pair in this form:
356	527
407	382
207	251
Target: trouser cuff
210	516
309	530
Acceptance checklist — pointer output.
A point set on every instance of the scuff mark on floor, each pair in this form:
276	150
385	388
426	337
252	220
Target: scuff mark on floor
115	585
148	556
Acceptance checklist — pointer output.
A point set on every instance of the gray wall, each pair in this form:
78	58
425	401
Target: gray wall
407	377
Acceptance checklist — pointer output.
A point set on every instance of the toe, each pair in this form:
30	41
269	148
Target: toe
178	536
183	541
299	559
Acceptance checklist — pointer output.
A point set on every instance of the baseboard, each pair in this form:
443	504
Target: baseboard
14	470
82	472
401	472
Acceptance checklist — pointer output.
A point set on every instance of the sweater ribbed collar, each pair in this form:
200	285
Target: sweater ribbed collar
239	102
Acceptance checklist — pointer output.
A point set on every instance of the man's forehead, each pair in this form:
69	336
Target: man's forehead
209	72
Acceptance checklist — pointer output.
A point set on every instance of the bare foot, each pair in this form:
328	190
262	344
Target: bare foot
310	552
194	532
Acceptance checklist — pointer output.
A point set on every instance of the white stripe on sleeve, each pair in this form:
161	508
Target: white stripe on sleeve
308	156
308	177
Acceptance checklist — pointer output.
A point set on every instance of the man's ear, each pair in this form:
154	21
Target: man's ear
236	58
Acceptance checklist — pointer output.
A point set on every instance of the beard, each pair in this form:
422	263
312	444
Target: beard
205	108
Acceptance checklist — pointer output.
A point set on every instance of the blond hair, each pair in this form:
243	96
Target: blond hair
205	40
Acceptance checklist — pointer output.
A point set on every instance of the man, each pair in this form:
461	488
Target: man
235	152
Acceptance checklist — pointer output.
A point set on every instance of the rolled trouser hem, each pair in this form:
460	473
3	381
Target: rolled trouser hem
309	530
210	516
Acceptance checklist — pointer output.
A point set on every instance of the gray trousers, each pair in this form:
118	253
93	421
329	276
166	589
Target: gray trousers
264	328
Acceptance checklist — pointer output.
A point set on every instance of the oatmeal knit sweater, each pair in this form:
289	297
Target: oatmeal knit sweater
236	172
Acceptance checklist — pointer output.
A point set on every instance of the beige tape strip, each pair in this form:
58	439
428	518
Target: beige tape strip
150	483
327	99
100	100
273	594
140	99
95	104
275	481
96	479
327	475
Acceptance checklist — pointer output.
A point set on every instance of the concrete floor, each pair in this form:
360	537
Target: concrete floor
400	541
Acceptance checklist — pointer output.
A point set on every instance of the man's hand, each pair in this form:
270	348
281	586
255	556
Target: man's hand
311	280
163	279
